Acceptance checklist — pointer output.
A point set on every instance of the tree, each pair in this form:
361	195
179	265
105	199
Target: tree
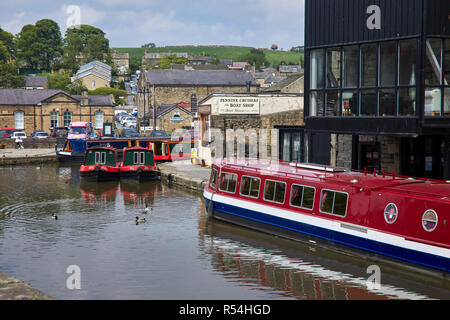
256	57
169	59
9	76
49	36
59	81
84	41
8	40
38	45
274	47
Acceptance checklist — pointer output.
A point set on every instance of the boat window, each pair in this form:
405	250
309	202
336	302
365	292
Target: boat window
390	213
138	158
429	220
302	196
274	191
228	182
250	186
213	179
333	202
100	157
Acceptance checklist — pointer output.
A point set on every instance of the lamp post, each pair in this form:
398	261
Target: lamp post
143	92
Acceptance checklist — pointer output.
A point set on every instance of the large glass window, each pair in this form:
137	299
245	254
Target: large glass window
333	103
388	57
317	69
369	104
99	119
388	102
67	118
350	65
433	50
378	79
54	119
333	67
407	62
369	65
19	120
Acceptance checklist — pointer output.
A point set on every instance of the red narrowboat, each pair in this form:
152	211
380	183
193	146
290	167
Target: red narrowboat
398	217
168	150
100	164
138	164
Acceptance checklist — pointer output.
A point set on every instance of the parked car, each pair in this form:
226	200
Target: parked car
130	133
60	132
129	122
6	132
159	134
19	135
40	134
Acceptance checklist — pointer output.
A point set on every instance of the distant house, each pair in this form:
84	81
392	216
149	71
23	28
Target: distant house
290	84
44	109
174	86
170	117
121	61
283	69
240	66
152	58
36	82
198	67
94	75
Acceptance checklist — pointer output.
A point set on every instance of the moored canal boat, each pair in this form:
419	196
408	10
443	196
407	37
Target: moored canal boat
100	165
397	217
138	164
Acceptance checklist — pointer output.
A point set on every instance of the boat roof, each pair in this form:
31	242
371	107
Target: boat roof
101	147
340	176
137	148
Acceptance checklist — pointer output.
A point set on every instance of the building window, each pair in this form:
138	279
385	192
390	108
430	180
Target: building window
19	120
375	80
67	118
333	67
99	116
54	119
317	69
93	84
437	76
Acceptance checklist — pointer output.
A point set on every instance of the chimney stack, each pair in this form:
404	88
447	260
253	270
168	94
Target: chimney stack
84	97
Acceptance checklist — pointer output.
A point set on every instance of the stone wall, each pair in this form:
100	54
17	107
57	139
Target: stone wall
164	122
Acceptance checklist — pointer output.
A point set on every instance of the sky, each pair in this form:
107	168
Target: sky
132	23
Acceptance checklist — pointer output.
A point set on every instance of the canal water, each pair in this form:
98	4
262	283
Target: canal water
178	253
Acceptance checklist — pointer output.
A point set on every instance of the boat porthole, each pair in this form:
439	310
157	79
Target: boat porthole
390	213
429	220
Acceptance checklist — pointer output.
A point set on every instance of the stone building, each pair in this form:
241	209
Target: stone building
36	82
174	86
94	75
121	61
290	84
251	113
171	117
30	110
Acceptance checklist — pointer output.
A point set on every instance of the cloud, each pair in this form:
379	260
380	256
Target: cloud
256	23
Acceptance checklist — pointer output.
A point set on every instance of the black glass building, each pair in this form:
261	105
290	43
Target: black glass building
377	85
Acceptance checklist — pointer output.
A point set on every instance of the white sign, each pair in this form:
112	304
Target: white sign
238	105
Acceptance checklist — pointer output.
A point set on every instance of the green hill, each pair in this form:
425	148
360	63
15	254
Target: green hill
221	52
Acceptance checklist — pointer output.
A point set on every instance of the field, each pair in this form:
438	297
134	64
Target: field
221	52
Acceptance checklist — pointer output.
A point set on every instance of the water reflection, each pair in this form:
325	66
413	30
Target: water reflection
307	271
179	253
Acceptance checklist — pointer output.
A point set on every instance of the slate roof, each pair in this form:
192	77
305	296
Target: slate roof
36	81
199	78
35	97
284	83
